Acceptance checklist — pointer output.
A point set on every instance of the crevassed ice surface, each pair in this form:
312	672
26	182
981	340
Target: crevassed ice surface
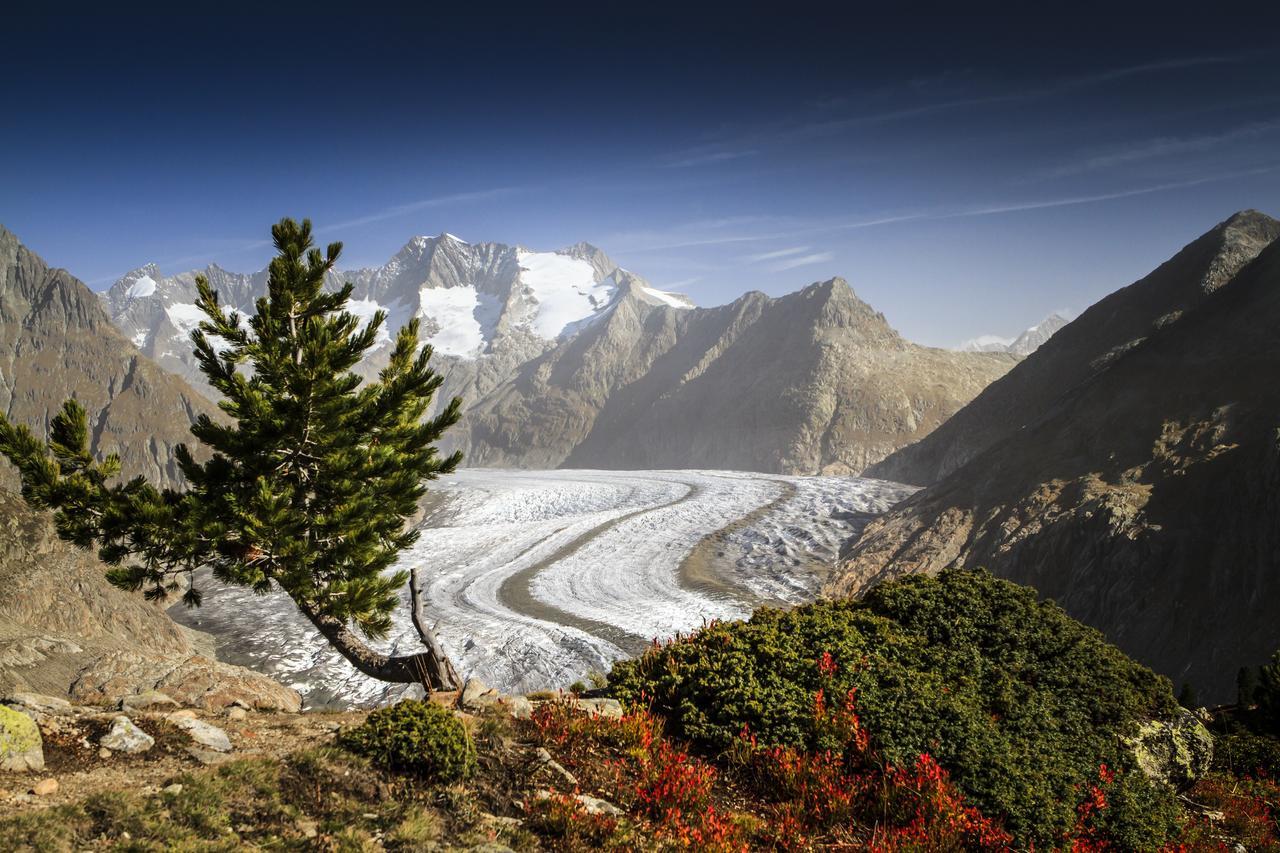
536	578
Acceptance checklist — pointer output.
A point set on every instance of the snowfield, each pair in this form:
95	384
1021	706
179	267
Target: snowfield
536	578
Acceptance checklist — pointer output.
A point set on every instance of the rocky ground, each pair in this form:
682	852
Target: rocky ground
92	771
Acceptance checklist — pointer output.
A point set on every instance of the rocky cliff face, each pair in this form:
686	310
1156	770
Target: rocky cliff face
63	628
1144	497
65	631
1083	348
815	381
57	342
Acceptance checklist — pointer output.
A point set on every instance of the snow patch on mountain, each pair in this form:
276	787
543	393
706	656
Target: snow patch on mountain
565	289
185	317
144	286
986	343
364	309
450	315
675	300
1024	344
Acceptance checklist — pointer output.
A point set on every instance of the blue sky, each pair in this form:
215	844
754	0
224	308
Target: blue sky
967	173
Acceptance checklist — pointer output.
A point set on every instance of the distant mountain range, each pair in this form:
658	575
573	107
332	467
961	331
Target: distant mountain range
565	358
1129	468
1023	345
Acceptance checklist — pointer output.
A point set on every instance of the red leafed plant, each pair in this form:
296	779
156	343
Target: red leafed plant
640	770
1244	810
854	798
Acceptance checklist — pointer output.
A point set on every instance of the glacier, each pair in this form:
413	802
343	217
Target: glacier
536	578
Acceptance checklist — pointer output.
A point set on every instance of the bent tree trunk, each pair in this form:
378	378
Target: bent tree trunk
431	668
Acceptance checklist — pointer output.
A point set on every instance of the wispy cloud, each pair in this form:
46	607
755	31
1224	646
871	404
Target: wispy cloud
709	157
779	253
804	261
1069	201
1142	68
1149	149
813	229
422	204
684	282
801	128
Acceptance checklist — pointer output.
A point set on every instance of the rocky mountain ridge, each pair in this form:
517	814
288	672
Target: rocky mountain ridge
814	381
565	359
486	308
57	342
1083	348
1024	344
1143	496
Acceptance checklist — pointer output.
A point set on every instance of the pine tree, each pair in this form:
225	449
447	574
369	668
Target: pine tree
1187	697
1268	694
1246	687
307	484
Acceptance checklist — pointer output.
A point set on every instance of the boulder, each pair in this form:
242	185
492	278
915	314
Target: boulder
124	736
196	681
476	696
150	700
21	747
1174	752
37	706
598	707
208	736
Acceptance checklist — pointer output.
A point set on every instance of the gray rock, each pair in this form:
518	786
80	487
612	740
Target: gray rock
124	736
208	757
150	700
37	705
1175	752
21	747
195	681
520	707
476	696
599	707
204	734
545	760
597	806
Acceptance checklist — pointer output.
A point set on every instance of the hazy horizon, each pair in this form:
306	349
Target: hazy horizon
968	175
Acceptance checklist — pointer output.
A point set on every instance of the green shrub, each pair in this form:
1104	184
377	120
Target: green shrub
419	737
1021	703
1247	753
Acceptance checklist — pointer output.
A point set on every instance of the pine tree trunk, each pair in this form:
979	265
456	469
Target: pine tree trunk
431	668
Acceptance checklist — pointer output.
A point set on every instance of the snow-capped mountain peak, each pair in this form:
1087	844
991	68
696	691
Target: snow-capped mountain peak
477	302
1024	344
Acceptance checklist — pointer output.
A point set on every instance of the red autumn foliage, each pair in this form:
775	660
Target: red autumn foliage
777	798
1244	810
852	798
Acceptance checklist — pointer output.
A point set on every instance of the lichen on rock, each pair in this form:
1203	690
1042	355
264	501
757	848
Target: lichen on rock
21	747
1175	752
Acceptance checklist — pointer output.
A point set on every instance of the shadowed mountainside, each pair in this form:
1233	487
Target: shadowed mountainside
1144	499
1082	348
